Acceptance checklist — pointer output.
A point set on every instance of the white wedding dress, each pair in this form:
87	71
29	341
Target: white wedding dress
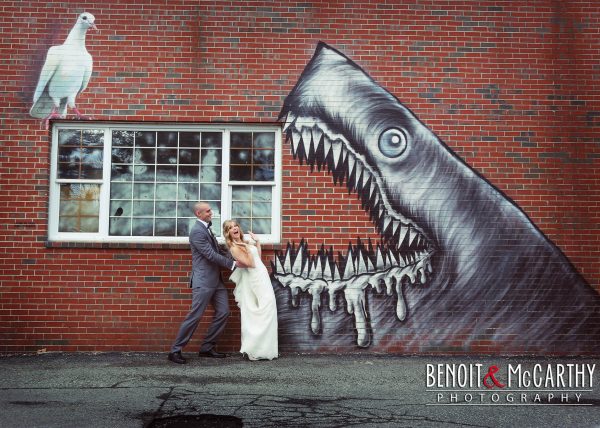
255	297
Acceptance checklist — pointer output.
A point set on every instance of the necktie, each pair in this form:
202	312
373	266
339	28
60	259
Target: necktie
212	235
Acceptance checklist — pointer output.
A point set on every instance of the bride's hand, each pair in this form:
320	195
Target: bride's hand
254	237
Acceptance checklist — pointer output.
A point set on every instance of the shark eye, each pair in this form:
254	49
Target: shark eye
392	142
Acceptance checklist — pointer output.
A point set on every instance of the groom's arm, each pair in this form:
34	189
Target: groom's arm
202	243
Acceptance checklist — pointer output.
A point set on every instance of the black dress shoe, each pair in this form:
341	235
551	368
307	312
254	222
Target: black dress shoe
211	354
176	357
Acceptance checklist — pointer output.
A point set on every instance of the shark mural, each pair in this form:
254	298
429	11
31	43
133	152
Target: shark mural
458	262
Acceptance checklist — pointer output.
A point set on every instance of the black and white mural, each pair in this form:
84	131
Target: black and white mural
458	262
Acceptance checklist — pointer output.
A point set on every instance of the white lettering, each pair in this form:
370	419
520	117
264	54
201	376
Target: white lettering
430	376
560	371
537	380
591	373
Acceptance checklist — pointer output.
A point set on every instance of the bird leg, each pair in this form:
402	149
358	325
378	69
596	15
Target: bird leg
80	115
53	115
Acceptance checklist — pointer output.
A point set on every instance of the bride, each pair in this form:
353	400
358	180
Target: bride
253	294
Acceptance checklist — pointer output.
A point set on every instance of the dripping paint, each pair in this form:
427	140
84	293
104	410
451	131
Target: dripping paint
458	263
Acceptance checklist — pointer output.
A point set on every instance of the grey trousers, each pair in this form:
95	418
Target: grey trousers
200	298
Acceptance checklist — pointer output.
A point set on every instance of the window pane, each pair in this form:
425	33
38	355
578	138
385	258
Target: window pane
212	139
210	157
143	191
166	139
120	226
144	173
122	155
120	208
166	173
252	156
184	226
145	156
164	227
262	226
188	192
142	226
122	138
121	172
79	207
189	156
80	154
210	192
264	173
120	190
241	140
188	173
143	208
145	139
166	191
210	174
165	209
264	140
252	206
240	173
189	139
168	156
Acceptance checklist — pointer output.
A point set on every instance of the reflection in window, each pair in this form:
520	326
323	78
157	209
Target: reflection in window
79	208
157	177
80	153
252	156
251	206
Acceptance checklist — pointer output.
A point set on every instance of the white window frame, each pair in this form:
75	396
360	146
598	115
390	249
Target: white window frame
102	236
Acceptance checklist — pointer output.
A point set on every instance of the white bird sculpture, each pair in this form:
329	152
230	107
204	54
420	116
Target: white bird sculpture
65	74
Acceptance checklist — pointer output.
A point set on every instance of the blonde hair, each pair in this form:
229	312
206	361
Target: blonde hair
227	225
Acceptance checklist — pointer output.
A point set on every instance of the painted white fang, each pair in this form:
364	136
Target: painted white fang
361	267
297	267
351	163
317	134
287	265
402	234
278	266
413	235
380	260
336	147
296	138
326	146
349	271
316	271
306	139
358	182
289	120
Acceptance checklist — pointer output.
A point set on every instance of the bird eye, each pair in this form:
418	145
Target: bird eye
392	142
84	18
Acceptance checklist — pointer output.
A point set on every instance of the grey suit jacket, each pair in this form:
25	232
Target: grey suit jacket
206	259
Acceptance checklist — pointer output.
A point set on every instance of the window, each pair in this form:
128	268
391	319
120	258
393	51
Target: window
134	183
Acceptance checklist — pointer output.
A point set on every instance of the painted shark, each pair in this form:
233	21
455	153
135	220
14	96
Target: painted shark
459	264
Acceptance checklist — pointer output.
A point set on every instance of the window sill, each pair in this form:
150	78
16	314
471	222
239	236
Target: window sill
135	246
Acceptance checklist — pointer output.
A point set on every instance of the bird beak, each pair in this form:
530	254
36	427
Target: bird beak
93	27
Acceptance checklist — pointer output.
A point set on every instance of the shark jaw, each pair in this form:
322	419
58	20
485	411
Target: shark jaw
402	257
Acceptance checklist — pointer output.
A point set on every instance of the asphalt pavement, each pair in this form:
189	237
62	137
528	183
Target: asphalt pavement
353	390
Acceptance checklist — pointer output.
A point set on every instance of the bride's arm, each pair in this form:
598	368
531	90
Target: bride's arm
242	256
256	242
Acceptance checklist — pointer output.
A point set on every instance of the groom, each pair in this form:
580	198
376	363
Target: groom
206	285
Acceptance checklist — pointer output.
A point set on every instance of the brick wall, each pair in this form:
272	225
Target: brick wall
512	87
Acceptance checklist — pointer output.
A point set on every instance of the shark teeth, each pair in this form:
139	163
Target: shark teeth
315	144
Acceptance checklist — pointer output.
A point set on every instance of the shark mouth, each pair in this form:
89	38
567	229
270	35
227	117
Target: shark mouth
402	257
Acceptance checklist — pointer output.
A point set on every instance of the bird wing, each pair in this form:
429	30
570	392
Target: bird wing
42	104
88	72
